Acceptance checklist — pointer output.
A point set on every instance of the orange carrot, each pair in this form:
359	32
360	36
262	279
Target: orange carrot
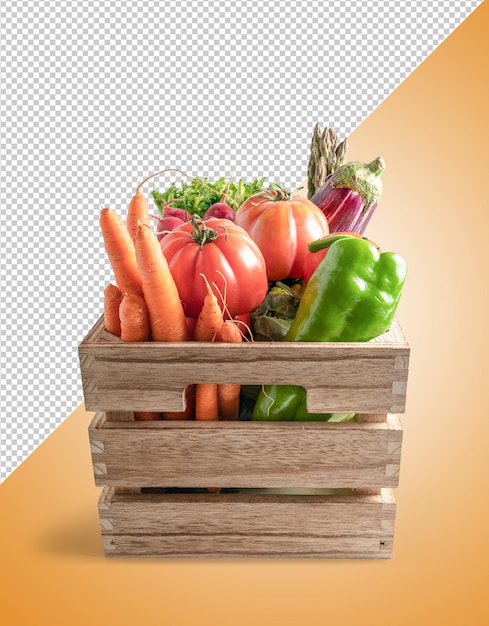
120	250
230	332
137	211
133	314
228	393
166	314
134	317
210	319
189	412
206	407
146	416
206	328
112	300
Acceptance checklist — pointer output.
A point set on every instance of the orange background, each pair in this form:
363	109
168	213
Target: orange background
433	133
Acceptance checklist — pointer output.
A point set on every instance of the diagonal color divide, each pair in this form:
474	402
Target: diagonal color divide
82	124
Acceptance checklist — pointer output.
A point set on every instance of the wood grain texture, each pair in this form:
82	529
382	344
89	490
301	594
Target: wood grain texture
246	454
308	458
368	377
247	525
119	416
373	417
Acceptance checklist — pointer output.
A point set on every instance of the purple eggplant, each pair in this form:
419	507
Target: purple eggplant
350	196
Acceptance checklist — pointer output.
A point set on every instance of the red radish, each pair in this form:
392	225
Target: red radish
221	209
173	211
166	224
172	217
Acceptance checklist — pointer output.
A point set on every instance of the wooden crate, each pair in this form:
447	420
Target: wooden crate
248	523
141	464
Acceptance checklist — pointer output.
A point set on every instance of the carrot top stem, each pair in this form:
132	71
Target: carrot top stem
168	169
226	191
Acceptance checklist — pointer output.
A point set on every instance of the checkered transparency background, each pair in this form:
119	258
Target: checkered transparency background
95	96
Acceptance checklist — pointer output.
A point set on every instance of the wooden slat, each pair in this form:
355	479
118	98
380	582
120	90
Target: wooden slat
243	524
246	454
367	377
239	546
119	416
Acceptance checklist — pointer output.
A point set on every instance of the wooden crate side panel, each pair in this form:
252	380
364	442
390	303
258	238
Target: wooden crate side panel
241	513
247	455
243	525
339	377
228	546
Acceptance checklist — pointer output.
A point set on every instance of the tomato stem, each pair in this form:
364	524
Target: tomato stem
202	234
275	193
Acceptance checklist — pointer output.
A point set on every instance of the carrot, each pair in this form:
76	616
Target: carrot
166	314
146	416
137	211
228	393
189	412
112	300
206	406
230	332
210	318
120	250
206	328
133	314
134	318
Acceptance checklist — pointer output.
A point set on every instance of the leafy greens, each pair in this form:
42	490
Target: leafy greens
199	194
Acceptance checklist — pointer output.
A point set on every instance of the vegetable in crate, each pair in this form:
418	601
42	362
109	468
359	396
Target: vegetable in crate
317	252
112	300
352	296
273	318
326	156
120	251
282	224
350	195
228	394
207	327
197	196
226	255
166	314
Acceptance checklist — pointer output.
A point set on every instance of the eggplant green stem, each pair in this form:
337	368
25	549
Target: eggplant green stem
362	178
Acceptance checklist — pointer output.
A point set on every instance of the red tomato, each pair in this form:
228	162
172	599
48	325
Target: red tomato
312	260
282	226
226	255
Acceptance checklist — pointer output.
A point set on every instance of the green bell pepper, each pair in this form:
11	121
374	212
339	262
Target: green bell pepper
352	296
